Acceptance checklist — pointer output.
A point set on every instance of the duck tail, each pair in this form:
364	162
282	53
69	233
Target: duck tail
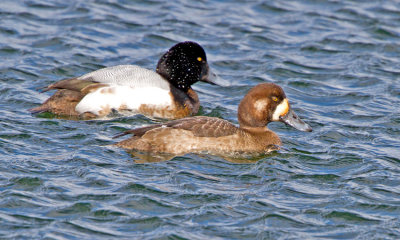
122	134
43	89
40	109
138	131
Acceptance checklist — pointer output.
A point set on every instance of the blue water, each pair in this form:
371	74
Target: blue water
338	62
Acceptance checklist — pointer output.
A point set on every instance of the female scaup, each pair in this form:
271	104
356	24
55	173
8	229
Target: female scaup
166	93
263	104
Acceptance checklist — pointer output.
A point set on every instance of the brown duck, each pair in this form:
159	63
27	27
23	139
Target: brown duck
263	104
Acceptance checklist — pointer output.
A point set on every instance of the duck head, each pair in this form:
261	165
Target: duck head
267	103
185	64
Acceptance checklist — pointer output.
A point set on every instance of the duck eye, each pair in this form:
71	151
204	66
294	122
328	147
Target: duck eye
199	59
275	99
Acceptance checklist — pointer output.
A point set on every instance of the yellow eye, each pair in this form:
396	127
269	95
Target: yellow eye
275	99
199	59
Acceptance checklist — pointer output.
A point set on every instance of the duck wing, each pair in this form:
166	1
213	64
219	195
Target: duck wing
200	126
127	75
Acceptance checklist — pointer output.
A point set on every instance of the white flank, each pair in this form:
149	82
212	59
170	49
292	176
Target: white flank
281	110
116	96
129	87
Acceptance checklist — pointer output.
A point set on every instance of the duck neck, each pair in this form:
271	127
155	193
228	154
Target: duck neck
251	129
187	98
261	134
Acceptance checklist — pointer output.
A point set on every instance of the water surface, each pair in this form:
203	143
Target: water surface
338	62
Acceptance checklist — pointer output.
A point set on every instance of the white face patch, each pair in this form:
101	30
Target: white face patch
281	110
261	104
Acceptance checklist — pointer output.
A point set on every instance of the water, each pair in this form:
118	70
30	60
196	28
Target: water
338	62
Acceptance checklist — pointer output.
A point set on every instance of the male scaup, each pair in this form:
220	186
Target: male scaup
166	93
263	104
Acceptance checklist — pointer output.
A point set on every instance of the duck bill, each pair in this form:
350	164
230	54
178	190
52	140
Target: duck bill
208	76
293	120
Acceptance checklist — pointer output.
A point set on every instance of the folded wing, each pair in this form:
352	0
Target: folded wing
200	126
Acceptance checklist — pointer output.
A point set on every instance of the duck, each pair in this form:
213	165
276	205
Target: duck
264	103
165	93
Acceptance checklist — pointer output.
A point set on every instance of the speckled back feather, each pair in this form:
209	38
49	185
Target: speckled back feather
200	126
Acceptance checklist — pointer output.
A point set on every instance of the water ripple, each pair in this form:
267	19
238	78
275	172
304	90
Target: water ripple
337	62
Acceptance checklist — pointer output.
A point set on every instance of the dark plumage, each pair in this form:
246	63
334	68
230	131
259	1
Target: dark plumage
120	88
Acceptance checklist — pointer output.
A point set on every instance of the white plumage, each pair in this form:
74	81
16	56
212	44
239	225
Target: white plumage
129	87
127	75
